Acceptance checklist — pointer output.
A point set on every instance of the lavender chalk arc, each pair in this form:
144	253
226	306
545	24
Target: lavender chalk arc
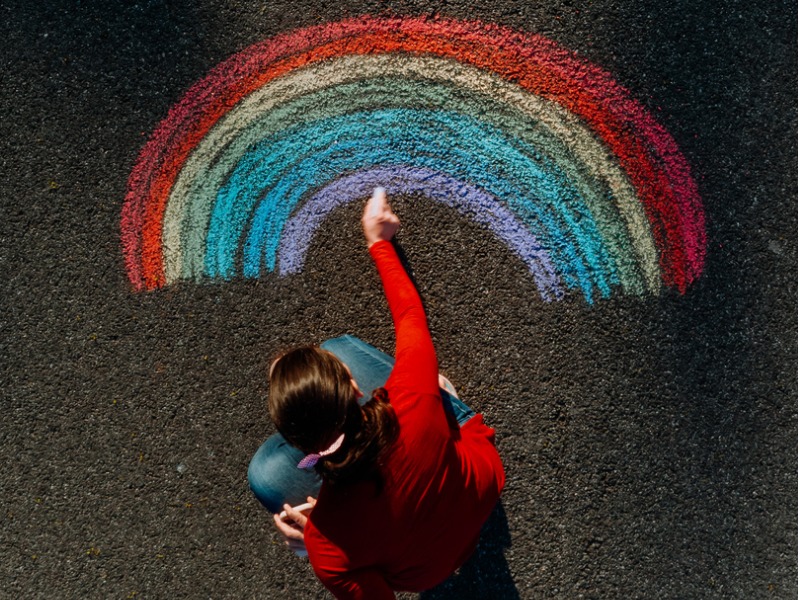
402	179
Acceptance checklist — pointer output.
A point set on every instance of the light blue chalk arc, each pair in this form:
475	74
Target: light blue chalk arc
273	176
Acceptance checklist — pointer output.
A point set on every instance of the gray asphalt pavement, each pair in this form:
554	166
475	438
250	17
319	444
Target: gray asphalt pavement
650	443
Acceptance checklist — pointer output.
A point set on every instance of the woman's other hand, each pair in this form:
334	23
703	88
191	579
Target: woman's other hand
379	222
291	523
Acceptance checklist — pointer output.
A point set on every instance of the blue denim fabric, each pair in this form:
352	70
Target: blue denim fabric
273	474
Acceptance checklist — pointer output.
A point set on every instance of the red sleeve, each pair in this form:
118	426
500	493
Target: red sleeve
334	568
364	584
415	358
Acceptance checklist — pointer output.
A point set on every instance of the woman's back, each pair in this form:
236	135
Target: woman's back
441	482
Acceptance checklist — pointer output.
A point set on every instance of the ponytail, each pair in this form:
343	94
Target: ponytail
312	402
367	444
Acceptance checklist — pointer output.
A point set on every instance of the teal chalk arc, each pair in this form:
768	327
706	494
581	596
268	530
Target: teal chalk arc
472	151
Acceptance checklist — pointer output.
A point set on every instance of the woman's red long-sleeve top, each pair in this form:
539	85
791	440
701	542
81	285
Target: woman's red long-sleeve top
441	482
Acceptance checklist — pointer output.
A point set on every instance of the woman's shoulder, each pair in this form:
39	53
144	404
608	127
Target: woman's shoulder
419	413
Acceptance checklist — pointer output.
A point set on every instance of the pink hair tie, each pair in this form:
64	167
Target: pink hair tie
311	460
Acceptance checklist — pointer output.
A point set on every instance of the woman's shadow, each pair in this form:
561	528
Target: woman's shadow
486	573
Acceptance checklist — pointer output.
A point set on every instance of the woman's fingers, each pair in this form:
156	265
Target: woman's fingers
378	221
292	523
287	530
295	516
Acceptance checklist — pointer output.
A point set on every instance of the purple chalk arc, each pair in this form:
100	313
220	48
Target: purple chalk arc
469	200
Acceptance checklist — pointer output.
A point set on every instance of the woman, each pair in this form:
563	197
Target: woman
404	480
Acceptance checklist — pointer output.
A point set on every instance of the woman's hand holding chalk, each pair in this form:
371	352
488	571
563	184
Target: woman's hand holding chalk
379	222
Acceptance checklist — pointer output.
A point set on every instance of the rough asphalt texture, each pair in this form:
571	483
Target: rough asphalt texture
650	444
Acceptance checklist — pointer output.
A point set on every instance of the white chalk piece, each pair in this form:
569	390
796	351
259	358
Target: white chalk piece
377	201
303	508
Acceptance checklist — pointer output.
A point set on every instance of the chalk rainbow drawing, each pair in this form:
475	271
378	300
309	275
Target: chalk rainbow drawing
517	133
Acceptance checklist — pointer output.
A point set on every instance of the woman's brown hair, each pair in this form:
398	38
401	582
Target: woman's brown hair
312	402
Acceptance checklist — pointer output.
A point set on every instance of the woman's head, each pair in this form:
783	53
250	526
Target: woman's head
313	400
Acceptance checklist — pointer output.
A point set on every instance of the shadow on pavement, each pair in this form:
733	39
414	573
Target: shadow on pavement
486	574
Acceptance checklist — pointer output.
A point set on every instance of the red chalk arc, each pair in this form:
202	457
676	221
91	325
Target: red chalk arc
645	151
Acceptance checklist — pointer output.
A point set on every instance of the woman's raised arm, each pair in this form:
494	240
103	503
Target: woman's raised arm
415	357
